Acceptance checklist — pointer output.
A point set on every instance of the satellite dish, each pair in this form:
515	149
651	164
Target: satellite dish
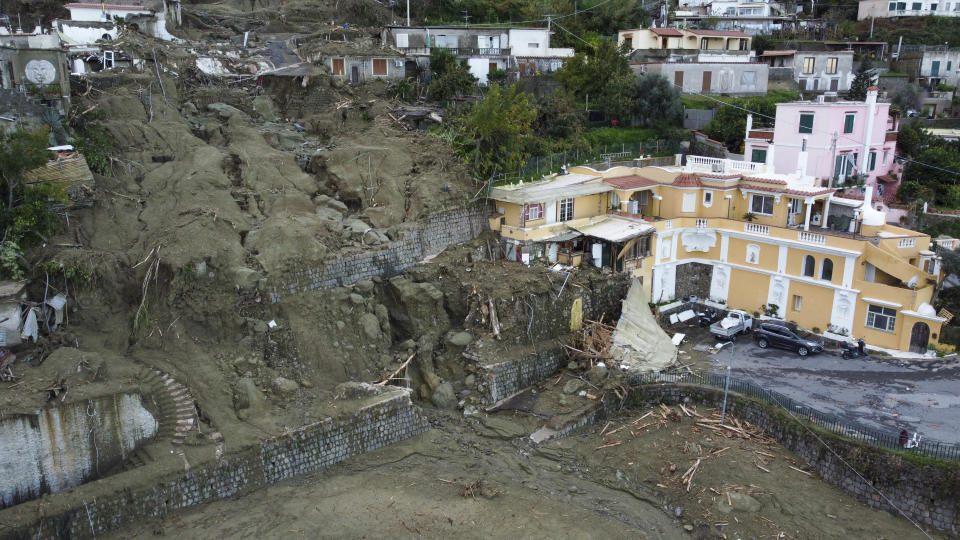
913	282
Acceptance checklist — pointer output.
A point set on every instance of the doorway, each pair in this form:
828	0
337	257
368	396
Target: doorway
919	338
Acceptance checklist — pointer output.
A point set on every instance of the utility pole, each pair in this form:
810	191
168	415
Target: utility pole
466	17
549	21
408	12
871	26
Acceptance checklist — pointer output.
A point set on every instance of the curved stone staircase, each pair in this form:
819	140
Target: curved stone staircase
177	412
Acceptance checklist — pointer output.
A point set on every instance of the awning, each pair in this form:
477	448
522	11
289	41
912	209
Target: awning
614	229
886	178
563	237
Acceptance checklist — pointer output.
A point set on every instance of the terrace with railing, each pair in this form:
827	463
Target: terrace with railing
460	51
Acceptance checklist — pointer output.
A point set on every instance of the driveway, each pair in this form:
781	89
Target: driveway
878	392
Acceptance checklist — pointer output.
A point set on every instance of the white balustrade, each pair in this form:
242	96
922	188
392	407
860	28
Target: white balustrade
756	229
812	238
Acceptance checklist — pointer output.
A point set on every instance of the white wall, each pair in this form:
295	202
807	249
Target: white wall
479	67
96	14
85	35
520	41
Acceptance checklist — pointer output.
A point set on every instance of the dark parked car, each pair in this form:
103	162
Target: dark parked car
777	335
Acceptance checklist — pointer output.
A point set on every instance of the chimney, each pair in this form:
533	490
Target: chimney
872	94
768	164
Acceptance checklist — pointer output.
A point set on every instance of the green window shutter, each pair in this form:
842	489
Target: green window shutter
848	123
758	156
806	123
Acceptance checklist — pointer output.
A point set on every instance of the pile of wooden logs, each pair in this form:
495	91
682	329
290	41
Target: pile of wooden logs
592	343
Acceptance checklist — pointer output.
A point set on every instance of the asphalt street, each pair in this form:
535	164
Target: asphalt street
879	392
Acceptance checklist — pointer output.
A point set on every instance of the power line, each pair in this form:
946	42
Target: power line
572	34
838	456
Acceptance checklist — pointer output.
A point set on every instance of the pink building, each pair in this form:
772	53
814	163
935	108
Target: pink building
835	141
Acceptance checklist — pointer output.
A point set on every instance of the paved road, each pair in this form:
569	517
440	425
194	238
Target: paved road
882	393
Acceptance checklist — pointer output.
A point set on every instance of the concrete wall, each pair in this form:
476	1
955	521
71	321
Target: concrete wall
725	78
697	118
391	419
422	240
61	447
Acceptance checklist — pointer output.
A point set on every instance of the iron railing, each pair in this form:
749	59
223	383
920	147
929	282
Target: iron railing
827	421
598	156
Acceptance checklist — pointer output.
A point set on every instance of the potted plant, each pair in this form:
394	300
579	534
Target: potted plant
749	216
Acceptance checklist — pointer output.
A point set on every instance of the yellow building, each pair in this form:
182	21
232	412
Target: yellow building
763	242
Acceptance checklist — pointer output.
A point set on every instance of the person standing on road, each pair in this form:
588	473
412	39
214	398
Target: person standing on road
904	437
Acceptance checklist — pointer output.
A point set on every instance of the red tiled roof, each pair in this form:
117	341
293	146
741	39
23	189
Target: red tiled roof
711	176
630	182
765	180
873	88
687	180
720	33
672	32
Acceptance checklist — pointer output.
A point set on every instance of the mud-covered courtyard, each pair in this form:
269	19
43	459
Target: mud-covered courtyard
480	477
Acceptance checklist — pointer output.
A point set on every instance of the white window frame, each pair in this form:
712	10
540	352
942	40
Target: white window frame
797	302
879	318
754	197
564	209
707	198
530	212
643	198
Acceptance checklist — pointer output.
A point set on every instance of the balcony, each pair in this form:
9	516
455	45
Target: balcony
722	166
459	51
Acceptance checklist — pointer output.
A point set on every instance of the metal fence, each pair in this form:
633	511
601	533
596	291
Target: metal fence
538	166
840	426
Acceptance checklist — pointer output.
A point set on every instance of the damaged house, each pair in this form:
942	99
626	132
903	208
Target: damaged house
36	65
738	234
523	51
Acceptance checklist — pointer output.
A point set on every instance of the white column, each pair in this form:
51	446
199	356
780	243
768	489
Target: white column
806	220
826	212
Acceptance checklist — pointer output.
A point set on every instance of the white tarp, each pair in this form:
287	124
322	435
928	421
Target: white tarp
638	342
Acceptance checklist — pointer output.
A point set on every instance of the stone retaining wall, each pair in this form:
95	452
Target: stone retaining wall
504	379
926	490
422	240
307	449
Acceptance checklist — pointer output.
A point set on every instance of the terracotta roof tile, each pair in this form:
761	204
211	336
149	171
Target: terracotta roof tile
673	32
630	182
687	180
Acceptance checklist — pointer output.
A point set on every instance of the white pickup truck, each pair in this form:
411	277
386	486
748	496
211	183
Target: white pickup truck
735	323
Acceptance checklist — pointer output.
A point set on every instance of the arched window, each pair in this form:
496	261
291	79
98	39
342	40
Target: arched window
826	270
809	266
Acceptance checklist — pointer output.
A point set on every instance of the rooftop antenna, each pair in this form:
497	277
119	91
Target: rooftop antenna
466	17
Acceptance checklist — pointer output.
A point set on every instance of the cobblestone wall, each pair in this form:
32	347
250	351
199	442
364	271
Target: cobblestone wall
927	491
422	240
504	379
307	449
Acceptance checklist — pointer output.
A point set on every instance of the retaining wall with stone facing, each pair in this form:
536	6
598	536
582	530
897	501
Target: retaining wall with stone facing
420	241
386	421
926	490
545	318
